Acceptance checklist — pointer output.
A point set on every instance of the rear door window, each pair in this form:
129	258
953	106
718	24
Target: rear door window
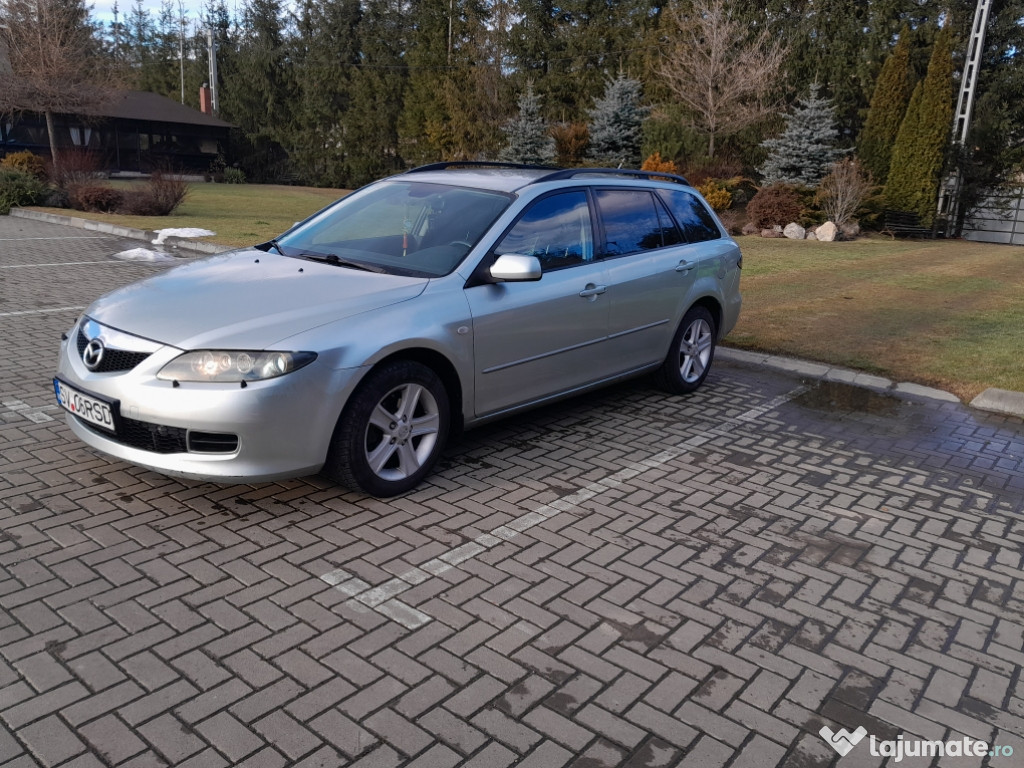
631	222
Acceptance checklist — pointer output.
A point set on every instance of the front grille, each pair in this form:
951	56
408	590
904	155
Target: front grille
113	359
212	442
145	436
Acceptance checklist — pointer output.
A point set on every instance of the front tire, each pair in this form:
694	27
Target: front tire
392	430
689	358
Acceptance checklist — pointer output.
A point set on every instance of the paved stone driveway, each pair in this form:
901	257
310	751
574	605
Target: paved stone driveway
629	579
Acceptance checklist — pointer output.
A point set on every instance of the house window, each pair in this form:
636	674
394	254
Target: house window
80	136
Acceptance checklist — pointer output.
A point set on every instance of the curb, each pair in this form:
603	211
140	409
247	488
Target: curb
1000	401
831	373
171	243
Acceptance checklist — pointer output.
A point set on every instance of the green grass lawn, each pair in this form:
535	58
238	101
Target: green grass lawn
240	214
946	313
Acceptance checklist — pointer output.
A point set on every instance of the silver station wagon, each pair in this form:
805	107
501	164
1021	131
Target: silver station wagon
358	341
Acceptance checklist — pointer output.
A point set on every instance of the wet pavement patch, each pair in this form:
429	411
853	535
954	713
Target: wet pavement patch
837	397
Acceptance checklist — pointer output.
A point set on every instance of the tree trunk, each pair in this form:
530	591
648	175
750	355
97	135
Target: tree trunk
711	145
51	130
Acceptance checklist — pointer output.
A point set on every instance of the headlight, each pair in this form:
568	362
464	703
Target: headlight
233	365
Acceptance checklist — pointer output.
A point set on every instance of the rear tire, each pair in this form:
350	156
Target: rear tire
692	351
392	430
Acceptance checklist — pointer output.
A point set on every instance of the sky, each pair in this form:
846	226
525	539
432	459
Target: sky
103	10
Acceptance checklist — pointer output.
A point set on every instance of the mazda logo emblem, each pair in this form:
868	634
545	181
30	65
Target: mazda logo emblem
92	355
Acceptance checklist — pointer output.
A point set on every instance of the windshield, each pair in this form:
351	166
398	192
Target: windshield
401	227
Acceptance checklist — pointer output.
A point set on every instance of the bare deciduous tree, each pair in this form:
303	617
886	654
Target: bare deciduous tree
844	190
722	74
53	63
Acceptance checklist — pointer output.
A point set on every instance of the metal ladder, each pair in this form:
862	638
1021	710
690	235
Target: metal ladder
950	191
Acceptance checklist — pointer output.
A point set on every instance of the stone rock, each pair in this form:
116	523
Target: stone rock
771	233
811	236
750	228
827	232
778	228
794	231
850	230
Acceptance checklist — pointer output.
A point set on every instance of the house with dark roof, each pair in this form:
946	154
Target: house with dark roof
135	132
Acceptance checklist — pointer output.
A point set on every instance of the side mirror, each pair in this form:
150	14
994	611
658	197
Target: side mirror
515	268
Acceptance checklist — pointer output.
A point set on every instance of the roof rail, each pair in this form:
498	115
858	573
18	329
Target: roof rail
571	173
444	166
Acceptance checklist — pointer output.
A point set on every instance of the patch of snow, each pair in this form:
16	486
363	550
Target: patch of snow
163	234
143	254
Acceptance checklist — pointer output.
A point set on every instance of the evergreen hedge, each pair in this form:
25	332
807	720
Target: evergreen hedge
917	157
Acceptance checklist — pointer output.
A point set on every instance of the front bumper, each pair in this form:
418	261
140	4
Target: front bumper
283	426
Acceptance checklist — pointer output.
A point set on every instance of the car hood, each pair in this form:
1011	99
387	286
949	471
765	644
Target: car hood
246	300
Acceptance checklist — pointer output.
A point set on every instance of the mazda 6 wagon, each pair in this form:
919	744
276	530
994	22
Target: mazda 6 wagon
358	341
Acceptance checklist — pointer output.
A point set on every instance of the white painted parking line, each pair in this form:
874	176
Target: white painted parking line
70	237
41	311
382	597
24	409
112	262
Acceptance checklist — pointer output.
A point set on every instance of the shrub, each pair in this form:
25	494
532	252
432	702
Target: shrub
571	143
57	198
776	204
77	168
94	197
163	193
700	170
25	162
234	176
732	221
844	190
741	188
655	163
716	194
18	188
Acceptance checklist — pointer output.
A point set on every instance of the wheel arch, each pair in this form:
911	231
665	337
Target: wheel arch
712	305
445	370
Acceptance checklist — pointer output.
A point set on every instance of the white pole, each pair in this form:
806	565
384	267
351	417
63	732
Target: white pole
181	45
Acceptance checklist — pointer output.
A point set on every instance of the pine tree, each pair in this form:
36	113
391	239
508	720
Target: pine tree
448	111
888	106
158	55
256	92
920	148
378	84
806	150
567	48
616	123
324	52
526	135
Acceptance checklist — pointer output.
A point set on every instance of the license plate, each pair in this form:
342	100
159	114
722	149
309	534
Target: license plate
86	407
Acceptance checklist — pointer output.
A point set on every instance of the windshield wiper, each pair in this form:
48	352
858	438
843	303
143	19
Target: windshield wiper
332	258
274	244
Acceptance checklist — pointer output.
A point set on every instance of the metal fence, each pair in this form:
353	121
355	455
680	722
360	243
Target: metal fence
999	219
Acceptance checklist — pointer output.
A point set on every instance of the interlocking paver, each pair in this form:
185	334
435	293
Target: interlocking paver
776	565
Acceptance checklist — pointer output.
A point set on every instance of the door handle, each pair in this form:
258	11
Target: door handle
593	290
684	266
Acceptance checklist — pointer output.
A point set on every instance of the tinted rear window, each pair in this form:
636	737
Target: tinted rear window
631	221
697	223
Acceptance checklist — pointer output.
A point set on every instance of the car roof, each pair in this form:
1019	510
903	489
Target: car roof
510	177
